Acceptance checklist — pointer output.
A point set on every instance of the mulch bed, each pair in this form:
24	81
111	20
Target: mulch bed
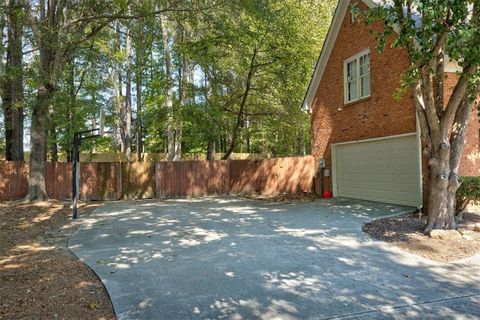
407	233
286	198
40	278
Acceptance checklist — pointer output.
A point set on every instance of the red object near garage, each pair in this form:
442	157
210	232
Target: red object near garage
327	194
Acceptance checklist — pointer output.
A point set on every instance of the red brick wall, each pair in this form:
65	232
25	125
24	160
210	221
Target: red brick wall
470	161
378	116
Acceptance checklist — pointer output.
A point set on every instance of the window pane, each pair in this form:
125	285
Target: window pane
364	64
354	11
365	58
352	70
352	90
365	84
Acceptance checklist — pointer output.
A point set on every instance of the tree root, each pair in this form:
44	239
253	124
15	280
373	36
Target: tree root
437	225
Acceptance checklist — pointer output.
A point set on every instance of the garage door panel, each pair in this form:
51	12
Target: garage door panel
384	170
380	195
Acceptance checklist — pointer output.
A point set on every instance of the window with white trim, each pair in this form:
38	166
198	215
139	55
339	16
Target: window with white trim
354	12
357	77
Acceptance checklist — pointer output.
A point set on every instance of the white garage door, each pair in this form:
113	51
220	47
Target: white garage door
385	170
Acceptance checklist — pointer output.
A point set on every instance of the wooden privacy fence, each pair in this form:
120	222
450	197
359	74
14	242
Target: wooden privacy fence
114	180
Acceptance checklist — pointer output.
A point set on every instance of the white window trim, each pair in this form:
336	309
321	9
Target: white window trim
354	17
345	81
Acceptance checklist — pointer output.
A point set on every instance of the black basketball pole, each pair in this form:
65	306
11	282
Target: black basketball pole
77	142
76	145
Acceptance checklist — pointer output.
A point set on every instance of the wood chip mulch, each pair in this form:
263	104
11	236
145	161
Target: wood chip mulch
407	233
286	198
39	277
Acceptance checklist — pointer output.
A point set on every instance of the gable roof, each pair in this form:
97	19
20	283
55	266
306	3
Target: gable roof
334	29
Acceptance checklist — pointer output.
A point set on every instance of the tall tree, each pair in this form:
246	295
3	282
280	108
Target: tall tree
70	49
429	30
116	81
59	28
166	36
128	91
139	123
45	28
243	104
183	79
13	83
2	74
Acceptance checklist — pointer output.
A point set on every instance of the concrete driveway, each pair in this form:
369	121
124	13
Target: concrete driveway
230	258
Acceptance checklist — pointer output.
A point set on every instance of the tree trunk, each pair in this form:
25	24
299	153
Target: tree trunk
128	94
243	105
139	115
301	150
13	85
52	133
178	142
47	41
441	213
443	130
116	79
247	133
16	64
182	81
7	117
3	22
444	180
211	150
71	110
6	86
94	122
38	144
169	96
117	110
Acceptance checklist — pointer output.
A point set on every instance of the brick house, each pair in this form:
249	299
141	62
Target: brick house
370	141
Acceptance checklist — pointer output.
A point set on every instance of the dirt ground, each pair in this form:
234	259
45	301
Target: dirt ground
39	277
406	232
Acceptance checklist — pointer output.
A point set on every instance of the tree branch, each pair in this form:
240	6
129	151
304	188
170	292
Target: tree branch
121	15
32	22
459	131
456	98
263	64
425	87
422	118
243	104
438	81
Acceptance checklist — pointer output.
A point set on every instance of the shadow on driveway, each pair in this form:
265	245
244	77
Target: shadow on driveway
231	258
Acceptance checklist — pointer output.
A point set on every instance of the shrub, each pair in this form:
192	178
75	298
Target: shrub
469	191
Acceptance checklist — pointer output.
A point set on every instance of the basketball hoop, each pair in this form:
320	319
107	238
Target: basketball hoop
78	137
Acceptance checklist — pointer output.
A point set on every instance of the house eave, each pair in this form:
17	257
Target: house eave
327	47
333	30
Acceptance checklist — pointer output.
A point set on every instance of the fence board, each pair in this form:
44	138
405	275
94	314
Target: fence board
113	180
58	180
138	180
89	181
242	178
109	184
13	180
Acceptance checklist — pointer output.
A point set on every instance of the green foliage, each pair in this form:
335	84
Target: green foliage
213	41
123	4
468	192
418	24
288	36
